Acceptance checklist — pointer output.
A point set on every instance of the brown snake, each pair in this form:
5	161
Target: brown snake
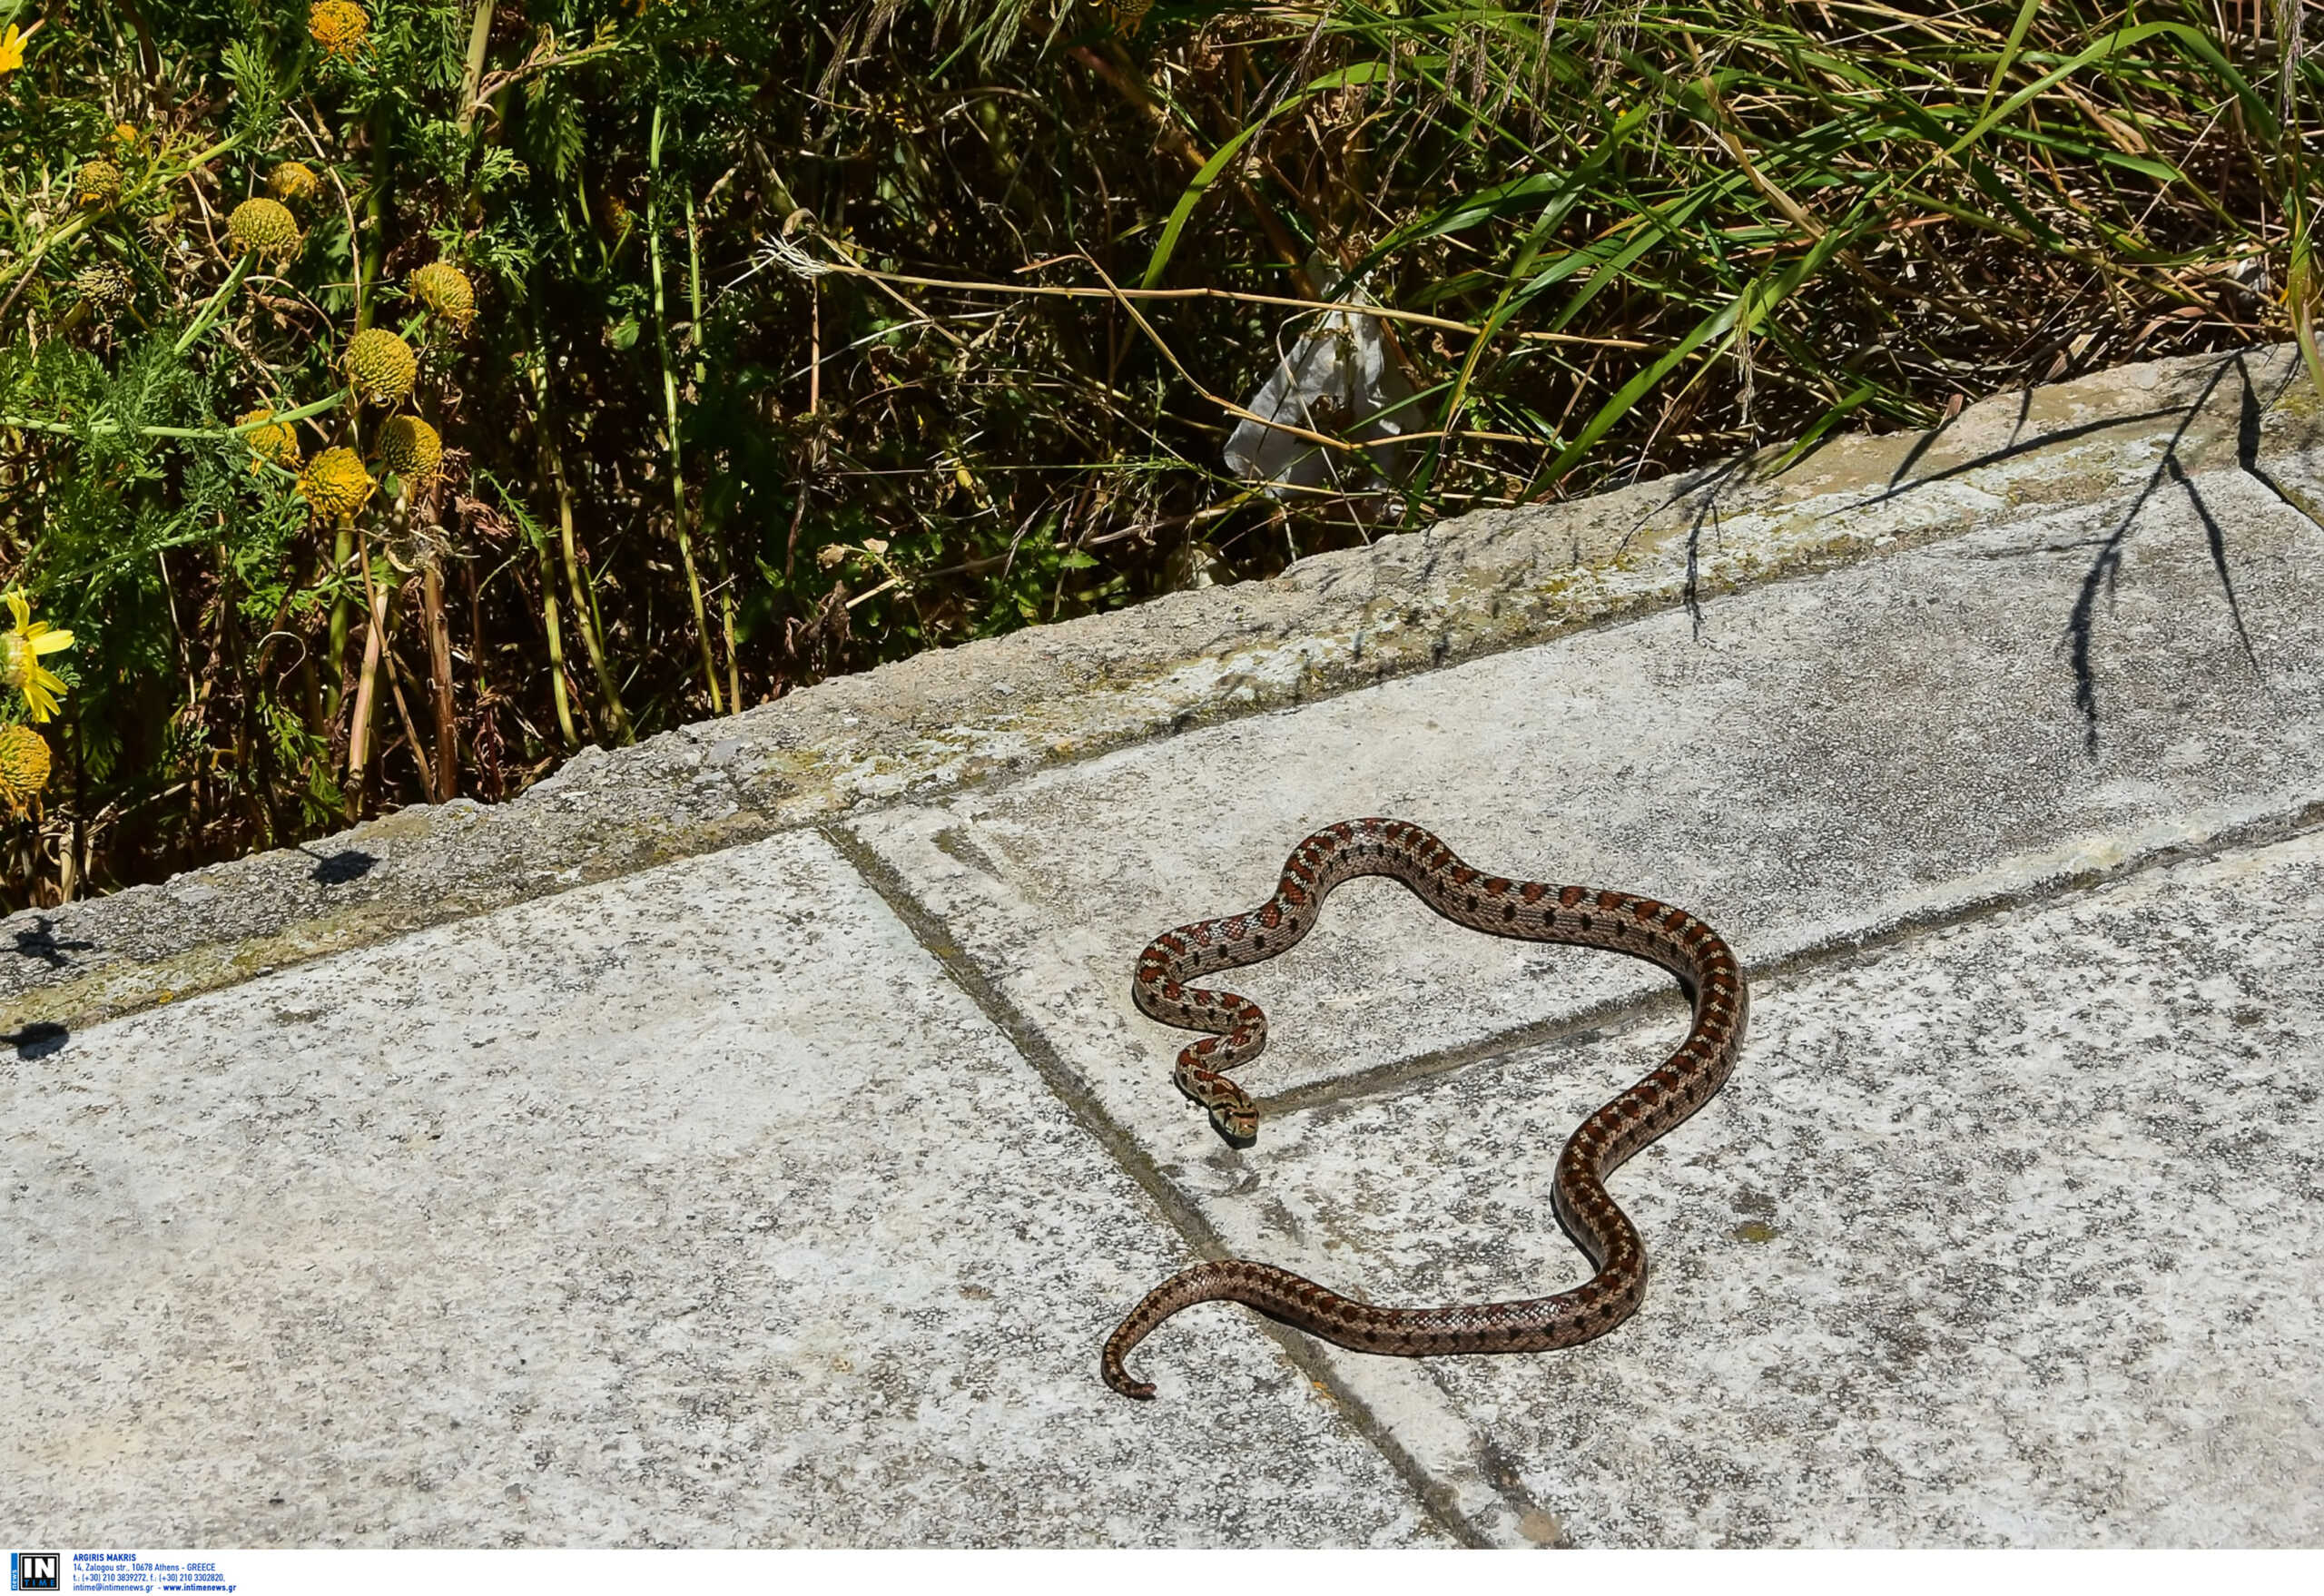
1533	912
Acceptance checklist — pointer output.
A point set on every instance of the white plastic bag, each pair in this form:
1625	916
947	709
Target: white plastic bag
1335	380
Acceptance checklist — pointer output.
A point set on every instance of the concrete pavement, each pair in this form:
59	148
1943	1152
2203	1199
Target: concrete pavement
473	1179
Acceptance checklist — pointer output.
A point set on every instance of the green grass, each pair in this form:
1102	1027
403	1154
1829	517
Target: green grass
813	336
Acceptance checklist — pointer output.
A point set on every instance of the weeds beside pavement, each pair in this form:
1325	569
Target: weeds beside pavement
395	397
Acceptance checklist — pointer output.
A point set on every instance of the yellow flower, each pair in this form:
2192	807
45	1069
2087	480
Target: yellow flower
20	648
410	448
335	484
12	49
340	26
97	185
24	766
265	226
381	366
446	289
295	180
278	443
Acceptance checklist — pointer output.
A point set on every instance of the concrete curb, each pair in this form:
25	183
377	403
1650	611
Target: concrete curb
1479	584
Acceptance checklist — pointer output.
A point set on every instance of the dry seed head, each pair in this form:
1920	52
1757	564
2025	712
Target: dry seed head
294	182
381	366
24	765
340	26
98	185
446	289
414	545
335	483
263	226
104	287
278	444
410	448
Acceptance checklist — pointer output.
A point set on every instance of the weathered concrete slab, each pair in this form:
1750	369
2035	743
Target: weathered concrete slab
967	718
2004	1235
1832	761
699	1209
1827	760
786	1195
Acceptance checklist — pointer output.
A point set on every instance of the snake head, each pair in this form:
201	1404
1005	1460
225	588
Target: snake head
1236	1123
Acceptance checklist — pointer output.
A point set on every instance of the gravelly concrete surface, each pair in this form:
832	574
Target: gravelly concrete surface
2005	1236
1826	759
986	713
1830	761
693	1210
784	1195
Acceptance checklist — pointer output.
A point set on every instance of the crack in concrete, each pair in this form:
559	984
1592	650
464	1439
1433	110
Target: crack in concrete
1834	951
1435	1496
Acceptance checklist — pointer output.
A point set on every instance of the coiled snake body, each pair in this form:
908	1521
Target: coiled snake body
1531	911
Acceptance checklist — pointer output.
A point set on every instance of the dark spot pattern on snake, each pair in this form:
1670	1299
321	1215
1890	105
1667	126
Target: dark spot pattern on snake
1666	935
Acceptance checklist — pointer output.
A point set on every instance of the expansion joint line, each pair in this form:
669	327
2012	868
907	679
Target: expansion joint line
1435	1496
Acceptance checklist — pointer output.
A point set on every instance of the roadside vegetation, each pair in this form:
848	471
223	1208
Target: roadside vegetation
395	395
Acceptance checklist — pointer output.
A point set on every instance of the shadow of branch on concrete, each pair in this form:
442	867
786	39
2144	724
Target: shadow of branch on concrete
2106	568
2106	564
336	870
41	943
37	1040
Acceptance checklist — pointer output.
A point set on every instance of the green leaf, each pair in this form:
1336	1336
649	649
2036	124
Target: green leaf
1363	72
